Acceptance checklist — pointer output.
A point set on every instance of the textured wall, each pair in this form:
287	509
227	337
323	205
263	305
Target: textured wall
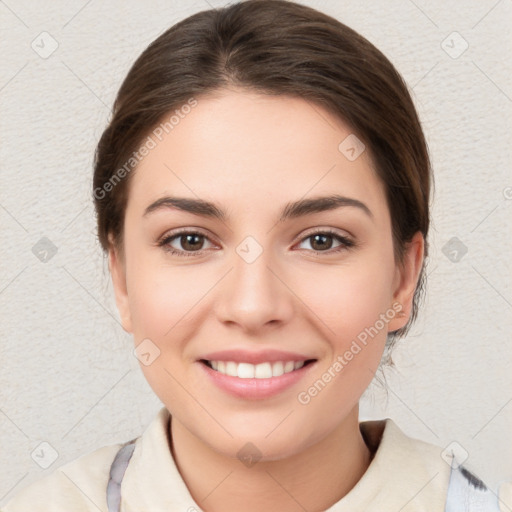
68	376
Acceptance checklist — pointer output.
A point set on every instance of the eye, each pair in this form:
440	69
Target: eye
321	241
191	243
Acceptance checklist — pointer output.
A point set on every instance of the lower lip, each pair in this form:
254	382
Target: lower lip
255	389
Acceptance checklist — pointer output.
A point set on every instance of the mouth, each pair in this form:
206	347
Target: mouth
255	375
264	370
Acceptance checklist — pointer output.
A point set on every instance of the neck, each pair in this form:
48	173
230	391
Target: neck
312	480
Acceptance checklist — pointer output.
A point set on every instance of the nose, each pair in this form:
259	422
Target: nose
254	296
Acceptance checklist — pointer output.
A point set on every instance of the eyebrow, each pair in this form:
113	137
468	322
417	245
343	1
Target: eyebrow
291	210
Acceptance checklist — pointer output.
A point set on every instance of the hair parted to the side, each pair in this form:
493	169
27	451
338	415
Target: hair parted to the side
273	47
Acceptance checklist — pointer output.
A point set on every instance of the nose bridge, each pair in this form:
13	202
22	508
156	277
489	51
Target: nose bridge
252	264
254	296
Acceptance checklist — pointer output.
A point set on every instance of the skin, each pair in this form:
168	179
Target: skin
251	154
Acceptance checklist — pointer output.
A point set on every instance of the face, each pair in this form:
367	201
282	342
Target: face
265	310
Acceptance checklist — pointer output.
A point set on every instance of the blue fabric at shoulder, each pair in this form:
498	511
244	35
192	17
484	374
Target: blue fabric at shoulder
467	493
117	471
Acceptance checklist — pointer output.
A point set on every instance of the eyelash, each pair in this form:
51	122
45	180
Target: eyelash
346	243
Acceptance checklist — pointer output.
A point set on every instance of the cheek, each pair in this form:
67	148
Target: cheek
169	304
161	296
163	303
348	299
352	302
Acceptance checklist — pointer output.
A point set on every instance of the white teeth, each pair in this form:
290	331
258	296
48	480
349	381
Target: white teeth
277	369
245	371
263	371
231	369
288	366
258	371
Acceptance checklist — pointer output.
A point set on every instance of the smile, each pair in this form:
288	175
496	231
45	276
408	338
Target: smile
259	380
265	370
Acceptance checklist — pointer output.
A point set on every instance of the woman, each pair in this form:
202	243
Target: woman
262	193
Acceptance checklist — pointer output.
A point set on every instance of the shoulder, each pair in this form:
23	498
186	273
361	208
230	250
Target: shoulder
79	485
405	473
467	493
404	452
457	482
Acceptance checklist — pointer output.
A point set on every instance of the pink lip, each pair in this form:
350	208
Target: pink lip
254	389
244	356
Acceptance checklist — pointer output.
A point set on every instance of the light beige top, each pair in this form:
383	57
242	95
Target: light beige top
404	475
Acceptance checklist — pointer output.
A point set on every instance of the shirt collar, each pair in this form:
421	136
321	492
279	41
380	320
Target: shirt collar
403	472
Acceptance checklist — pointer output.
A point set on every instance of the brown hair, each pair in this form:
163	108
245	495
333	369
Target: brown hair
273	47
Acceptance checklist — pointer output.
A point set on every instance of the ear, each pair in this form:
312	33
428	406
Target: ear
406	278
118	272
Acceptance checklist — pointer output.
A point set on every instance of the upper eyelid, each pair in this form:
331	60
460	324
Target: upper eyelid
185	231
331	231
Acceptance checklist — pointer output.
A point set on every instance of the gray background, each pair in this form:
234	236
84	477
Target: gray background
68	377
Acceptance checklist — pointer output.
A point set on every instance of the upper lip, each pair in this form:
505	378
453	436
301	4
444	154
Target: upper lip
246	356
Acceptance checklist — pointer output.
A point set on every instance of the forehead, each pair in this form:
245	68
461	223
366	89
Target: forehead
259	150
